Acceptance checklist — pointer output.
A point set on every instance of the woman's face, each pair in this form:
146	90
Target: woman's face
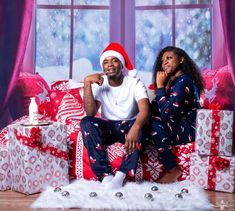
171	62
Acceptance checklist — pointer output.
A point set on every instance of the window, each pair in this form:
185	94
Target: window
70	34
182	23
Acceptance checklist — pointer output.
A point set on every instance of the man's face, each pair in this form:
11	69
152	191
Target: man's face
112	66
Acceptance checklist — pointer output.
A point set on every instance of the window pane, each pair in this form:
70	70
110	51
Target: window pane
91	2
54	2
151	36
193	1
193	34
91	35
53	41
152	2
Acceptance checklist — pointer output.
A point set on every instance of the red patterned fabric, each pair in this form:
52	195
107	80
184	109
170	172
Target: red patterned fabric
219	89
32	85
62	99
3	136
66	105
149	166
62	85
28	85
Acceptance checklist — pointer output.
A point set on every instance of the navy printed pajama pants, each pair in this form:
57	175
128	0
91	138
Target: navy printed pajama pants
167	134
97	134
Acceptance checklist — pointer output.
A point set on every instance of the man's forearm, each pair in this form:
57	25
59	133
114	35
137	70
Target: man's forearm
89	101
143	115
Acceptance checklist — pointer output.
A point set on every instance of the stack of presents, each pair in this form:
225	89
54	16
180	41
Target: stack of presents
52	154
212	165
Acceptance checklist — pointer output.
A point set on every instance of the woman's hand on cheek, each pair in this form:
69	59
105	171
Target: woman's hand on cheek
161	79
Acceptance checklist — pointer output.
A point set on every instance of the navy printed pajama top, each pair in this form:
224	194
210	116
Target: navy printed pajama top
176	104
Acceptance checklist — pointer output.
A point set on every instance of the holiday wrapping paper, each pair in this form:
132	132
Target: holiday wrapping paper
213	172
38	157
214	132
4	156
4	167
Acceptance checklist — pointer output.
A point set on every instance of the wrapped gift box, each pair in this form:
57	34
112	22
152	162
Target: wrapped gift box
214	132
213	172
4	157
38	157
4	167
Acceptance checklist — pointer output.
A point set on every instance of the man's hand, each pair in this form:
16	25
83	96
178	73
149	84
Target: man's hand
90	105
94	78
132	140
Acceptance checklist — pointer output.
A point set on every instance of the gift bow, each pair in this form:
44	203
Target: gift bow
215	164
34	140
215	106
221	163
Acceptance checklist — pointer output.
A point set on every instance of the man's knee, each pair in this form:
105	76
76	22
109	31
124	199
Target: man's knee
86	122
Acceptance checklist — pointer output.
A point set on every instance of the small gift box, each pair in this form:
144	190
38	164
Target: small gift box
214	132
4	167
213	172
38	157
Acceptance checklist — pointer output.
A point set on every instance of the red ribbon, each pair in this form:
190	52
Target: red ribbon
215	106
215	133
34	141
215	164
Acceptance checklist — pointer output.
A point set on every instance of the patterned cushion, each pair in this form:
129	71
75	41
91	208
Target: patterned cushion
149	166
66	105
28	85
219	89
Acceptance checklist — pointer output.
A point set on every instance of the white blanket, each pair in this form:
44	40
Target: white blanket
133	197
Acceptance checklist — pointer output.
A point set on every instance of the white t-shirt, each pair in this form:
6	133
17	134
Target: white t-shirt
120	103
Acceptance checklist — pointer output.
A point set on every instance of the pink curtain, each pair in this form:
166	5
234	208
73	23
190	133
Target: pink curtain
15	22
227	10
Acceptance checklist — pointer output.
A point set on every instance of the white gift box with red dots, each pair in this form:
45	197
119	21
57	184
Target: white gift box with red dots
35	166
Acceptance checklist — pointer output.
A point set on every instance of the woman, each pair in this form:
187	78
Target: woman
178	84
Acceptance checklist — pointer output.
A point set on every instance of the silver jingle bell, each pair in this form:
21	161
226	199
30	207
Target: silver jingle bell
154	188
57	189
93	194
179	196
65	193
184	190
148	196
119	195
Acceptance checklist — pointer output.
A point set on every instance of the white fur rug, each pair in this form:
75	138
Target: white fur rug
133	197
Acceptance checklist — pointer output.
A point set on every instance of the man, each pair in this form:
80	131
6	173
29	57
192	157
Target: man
124	110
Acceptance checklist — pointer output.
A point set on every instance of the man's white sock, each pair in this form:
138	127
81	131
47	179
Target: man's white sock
117	181
107	179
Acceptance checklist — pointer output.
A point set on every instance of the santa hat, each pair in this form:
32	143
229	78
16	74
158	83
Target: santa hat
116	50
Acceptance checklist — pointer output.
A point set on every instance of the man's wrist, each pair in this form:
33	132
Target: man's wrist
87	83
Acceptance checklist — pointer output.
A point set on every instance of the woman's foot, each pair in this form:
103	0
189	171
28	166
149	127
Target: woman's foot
170	175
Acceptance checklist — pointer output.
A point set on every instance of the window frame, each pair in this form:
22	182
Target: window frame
122	29
71	7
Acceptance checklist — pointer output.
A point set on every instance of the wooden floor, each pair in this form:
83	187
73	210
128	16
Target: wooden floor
13	201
